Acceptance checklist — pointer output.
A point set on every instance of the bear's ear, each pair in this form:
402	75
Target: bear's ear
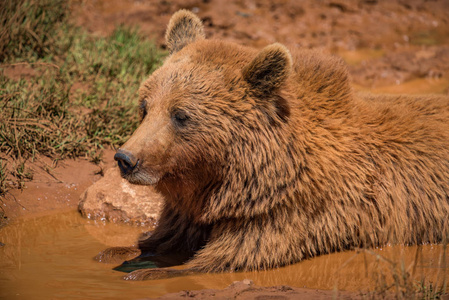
184	28
269	69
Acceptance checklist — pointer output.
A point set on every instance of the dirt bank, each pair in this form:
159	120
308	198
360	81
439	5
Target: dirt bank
55	187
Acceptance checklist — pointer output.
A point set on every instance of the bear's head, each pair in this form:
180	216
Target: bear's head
213	118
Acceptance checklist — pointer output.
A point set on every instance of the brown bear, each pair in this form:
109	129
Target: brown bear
266	158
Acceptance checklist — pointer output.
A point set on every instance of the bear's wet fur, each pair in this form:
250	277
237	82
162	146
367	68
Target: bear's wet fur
266	158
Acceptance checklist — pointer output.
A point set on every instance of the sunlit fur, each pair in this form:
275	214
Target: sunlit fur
280	160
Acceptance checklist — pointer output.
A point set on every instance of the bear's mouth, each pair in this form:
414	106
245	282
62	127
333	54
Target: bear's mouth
142	176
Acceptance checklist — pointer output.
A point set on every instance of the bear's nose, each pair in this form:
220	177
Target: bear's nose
126	161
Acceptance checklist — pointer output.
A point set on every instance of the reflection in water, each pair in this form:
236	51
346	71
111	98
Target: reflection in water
51	257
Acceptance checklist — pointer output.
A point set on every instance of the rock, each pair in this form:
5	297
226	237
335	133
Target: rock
115	199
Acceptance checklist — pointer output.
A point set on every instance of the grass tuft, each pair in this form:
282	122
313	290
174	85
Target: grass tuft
29	28
399	282
63	92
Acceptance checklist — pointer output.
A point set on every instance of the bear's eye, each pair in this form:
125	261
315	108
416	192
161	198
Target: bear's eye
142	110
180	117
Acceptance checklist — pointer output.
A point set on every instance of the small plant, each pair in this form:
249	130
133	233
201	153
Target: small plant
22	173
3	189
3	177
399	281
428	291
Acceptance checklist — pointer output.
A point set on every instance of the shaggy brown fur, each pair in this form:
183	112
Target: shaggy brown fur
267	158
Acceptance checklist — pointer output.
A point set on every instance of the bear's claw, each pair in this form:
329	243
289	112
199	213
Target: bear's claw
154	274
117	254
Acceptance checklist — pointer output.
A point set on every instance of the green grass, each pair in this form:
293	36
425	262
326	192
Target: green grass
29	28
80	93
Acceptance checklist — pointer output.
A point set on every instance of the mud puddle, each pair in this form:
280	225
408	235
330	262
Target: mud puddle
51	258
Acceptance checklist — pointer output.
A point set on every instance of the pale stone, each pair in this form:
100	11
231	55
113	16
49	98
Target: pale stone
115	199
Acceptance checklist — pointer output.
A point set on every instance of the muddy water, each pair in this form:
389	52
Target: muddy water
51	258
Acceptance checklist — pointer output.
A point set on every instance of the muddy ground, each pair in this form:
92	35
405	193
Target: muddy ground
390	46
385	42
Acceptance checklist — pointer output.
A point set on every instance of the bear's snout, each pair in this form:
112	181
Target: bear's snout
126	161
